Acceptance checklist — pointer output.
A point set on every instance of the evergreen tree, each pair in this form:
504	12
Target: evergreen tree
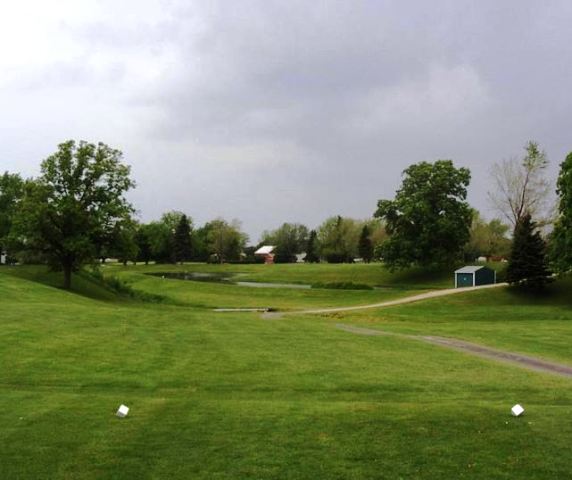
312	249
182	250
528	266
365	245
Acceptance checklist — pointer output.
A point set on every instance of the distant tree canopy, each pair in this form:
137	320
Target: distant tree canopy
289	240
124	246
224	241
429	220
561	241
488	239
11	193
338	239
73	208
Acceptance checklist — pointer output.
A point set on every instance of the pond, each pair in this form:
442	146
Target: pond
222	277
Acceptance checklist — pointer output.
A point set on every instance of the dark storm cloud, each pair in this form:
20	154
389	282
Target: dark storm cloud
274	111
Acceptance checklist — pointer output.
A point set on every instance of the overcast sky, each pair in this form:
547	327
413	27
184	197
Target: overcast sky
273	111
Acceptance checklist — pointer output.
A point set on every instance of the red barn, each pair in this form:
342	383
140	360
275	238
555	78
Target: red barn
265	252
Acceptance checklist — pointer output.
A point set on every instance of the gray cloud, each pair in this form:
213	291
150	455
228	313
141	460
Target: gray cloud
273	111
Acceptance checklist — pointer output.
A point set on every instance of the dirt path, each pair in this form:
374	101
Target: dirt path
399	301
524	361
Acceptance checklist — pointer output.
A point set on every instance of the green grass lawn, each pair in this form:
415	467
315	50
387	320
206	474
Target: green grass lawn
235	396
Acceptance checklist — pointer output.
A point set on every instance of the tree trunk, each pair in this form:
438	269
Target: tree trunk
67	276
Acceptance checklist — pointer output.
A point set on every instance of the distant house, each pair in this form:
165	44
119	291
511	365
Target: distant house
473	276
3	258
265	252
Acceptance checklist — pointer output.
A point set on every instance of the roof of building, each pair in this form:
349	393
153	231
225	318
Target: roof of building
265	250
470	269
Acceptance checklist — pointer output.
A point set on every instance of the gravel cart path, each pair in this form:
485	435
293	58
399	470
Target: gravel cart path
525	361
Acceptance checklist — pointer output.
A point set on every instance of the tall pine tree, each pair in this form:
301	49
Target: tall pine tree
365	245
312	249
182	249
528	265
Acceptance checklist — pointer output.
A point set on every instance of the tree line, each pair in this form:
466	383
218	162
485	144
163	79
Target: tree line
75	212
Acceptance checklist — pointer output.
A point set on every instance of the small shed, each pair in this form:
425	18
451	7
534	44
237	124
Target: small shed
473	276
265	252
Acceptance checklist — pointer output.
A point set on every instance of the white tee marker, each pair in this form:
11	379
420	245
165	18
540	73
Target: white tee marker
122	411
517	410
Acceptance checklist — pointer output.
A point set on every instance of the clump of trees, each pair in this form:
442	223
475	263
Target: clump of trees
429	220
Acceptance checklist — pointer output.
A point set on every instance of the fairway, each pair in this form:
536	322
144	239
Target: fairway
237	396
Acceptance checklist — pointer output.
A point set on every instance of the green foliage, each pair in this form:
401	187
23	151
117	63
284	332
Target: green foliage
365	245
159	237
143	241
124	245
11	193
561	241
182	249
338	238
71	211
289	239
429	220
528	265
225	241
312	255
488	239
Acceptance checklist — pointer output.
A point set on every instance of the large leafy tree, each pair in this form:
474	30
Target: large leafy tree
429	220
561	244
75	205
528	265
11	193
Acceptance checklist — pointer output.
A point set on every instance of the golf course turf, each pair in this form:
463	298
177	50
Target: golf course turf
236	396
